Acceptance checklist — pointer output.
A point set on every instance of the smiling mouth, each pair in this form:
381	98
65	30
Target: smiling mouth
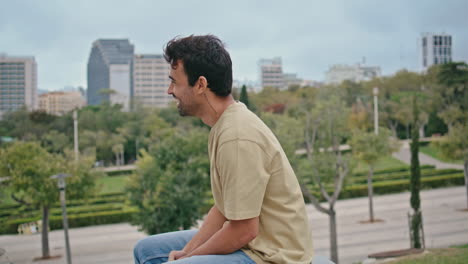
176	99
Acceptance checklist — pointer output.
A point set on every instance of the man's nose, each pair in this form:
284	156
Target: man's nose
169	89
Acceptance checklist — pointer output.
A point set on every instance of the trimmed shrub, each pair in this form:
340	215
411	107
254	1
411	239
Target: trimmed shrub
96	218
88	209
119	173
395	186
403	175
393	170
80	220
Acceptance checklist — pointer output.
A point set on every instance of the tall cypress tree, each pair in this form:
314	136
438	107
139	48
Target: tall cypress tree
415	185
244	97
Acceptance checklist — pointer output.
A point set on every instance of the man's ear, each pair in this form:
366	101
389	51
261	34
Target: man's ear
201	85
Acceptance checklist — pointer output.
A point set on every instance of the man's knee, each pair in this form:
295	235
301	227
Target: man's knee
142	246
137	249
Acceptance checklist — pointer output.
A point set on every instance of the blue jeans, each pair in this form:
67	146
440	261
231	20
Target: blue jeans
155	249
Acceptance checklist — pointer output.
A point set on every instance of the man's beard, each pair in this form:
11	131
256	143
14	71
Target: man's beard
184	110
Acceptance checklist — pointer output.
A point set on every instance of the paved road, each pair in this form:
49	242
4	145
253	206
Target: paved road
404	154
444	226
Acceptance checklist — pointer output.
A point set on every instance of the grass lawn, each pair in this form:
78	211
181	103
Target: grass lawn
458	255
384	163
111	184
106	184
436	154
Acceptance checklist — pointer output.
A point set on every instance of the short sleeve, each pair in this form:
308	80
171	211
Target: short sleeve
242	167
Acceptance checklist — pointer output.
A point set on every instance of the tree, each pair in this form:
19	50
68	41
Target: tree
289	131
325	129
30	167
269	96
359	117
55	142
393	93
450	85
369	148
102	143
118	150
244	97
447	84
455	145
415	181
171	184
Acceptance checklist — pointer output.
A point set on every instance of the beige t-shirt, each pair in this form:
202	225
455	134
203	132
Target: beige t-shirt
251	176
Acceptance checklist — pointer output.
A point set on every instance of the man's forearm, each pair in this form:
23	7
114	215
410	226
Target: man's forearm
213	223
233	236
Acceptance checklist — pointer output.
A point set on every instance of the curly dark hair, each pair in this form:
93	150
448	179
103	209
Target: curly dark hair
202	56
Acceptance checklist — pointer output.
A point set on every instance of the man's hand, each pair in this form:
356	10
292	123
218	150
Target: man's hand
177	254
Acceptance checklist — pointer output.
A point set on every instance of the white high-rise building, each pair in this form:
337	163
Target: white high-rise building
271	73
355	73
18	83
435	49
151	80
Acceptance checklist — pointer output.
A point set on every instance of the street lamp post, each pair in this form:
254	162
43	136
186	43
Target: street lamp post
61	186
75	133
376	110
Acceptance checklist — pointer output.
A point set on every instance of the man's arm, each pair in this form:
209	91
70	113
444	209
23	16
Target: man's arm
213	223
231	237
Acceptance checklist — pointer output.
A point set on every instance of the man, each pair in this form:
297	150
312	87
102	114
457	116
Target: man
259	213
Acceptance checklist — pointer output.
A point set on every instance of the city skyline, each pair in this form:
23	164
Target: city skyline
310	36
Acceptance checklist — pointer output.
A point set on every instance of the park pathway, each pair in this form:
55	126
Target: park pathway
444	225
404	154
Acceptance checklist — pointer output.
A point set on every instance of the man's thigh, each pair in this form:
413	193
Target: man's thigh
155	249
237	257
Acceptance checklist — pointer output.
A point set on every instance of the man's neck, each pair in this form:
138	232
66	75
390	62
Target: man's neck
214	108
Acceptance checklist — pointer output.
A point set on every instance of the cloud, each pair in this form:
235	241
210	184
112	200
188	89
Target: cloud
308	35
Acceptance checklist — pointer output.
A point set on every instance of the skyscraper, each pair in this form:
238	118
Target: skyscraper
110	68
18	83
271	73
435	49
151	80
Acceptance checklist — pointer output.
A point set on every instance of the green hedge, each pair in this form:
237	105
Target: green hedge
394	170
98	200
101	201
88	219
394	186
11	226
9	206
404	175
119	173
88	209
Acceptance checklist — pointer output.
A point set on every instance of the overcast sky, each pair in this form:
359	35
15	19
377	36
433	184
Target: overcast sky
308	35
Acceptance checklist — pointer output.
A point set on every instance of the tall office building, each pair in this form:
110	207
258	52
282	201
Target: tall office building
61	102
435	49
110	72
355	73
271	73
151	80
18	83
